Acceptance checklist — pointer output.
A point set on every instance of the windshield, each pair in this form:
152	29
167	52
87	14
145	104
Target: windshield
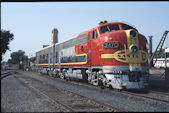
108	28
126	27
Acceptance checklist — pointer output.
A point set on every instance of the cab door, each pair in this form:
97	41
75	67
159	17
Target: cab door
93	51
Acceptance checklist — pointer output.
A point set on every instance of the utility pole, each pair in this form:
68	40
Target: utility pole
0	38
166	70
150	52
165	54
0	13
167	77
54	41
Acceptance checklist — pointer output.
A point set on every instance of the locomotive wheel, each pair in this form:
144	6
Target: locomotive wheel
57	75
100	83
68	79
50	73
89	81
110	87
39	72
85	76
92	82
94	79
62	76
119	90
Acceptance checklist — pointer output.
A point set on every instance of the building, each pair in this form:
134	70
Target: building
163	62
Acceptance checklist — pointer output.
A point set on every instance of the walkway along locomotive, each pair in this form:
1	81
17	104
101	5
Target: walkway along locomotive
111	54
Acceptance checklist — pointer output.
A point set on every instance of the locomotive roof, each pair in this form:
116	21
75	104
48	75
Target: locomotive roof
84	33
44	48
56	44
104	25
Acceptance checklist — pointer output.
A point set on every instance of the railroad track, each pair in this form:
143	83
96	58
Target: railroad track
159	93
24	82
130	93
145	96
6	74
148	96
78	101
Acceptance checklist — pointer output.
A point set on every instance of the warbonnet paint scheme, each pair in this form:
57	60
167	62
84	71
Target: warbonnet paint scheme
111	54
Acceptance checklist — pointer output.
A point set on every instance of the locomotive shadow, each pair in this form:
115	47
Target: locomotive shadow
138	91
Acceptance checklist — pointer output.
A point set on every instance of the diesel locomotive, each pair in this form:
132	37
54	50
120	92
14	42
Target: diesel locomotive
111	55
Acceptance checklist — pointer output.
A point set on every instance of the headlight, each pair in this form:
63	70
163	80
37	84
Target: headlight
134	49
132	33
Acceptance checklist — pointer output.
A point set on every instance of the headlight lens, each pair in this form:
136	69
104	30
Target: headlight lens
134	49
132	33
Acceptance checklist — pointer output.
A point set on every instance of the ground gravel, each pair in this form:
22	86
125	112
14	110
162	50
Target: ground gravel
15	97
118	100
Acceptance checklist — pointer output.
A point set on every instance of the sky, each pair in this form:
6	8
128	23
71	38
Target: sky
32	22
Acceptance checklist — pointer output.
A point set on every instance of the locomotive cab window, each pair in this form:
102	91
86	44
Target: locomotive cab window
94	34
126	27
108	28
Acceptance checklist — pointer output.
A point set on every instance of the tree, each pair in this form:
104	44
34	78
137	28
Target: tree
10	61
18	57
6	37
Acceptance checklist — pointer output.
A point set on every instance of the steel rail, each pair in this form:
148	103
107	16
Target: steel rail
67	108
107	89
4	75
84	97
91	86
159	93
124	92
146	97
